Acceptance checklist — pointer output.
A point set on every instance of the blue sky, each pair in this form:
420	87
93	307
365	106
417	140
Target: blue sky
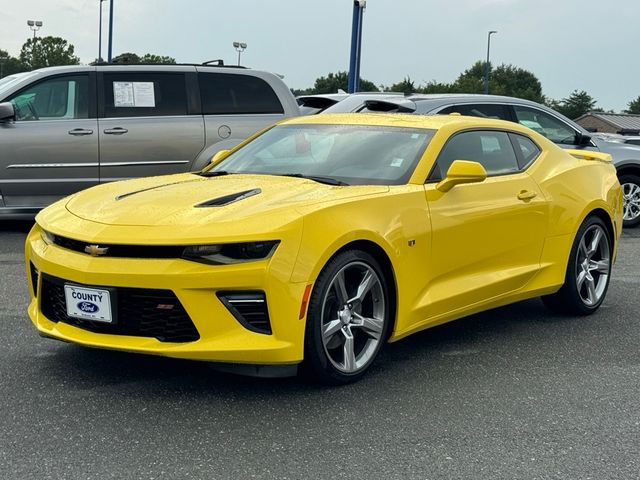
567	44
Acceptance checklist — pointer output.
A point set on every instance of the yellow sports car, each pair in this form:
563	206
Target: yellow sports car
318	240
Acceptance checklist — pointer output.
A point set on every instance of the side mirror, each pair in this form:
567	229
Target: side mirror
7	112
582	139
462	171
219	156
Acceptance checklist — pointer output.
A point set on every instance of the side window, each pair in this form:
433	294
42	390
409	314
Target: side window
551	127
484	110
492	149
60	98
529	151
228	93
144	94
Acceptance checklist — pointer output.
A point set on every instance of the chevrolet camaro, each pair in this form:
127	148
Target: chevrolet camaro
310	245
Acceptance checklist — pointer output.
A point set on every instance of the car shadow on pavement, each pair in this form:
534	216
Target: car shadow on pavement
420	355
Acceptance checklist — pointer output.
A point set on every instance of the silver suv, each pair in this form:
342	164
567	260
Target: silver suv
63	129
548	122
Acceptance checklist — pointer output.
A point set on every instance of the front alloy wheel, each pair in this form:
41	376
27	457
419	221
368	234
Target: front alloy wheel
348	318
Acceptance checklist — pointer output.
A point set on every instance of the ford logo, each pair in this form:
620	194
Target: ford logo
88	307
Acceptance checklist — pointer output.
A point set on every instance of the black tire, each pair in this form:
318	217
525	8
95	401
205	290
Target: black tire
631	186
570	299
323	351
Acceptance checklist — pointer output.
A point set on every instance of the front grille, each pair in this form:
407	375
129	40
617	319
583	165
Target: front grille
126	251
34	278
139	312
249	308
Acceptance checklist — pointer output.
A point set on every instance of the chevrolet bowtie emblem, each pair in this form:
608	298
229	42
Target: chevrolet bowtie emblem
96	250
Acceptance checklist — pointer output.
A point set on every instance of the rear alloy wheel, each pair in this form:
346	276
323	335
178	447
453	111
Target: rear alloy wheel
631	191
588	271
348	318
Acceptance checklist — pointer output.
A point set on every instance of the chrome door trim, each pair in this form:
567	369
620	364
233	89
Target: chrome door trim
154	162
54	165
109	164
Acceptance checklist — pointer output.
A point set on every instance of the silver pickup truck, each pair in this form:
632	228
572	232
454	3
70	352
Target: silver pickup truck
63	129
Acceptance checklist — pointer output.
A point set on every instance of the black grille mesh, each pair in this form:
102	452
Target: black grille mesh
138	312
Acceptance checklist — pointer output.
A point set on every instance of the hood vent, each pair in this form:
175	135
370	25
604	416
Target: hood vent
128	194
227	199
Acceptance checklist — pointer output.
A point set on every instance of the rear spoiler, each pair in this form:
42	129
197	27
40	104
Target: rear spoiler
588	155
400	105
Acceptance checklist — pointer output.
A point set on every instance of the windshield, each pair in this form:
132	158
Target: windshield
8	82
351	154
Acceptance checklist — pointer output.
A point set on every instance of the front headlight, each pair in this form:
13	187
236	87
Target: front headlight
226	253
47	237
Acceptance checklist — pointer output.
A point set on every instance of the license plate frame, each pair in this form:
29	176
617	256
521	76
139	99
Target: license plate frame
85	302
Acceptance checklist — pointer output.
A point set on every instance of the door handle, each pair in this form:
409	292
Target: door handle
115	131
526	195
78	132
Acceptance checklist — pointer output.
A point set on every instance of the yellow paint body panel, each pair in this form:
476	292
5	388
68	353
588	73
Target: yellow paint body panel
475	247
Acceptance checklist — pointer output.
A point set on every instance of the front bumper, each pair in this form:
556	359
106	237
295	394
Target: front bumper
222	338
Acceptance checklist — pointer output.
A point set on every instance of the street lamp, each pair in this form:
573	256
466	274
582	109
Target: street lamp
100	33
110	46
356	45
34	25
240	47
486	67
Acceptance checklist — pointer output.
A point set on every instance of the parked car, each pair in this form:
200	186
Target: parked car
312	104
63	129
324	237
556	127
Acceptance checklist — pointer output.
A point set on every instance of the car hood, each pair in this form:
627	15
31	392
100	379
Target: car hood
189	205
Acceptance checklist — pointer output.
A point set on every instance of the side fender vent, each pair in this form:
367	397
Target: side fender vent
227	199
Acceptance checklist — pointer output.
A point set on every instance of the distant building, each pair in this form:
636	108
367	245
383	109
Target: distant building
622	123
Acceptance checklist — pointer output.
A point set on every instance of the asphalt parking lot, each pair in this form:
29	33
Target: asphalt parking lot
512	393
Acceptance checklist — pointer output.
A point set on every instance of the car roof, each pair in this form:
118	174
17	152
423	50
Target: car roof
405	121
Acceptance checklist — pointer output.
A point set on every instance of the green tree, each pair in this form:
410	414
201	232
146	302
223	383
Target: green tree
49	51
634	106
338	81
8	64
406	86
438	87
471	80
127	58
515	82
577	104
503	80
150	58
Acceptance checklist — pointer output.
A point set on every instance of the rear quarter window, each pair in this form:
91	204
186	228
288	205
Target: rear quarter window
227	93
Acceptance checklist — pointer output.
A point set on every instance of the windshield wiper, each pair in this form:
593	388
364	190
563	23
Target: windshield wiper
317	178
213	173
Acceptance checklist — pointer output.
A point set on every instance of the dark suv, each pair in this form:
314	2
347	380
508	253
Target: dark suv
544	120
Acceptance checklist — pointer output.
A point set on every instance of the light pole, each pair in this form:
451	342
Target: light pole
486	66
34	25
240	47
100	34
110	48
356	45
